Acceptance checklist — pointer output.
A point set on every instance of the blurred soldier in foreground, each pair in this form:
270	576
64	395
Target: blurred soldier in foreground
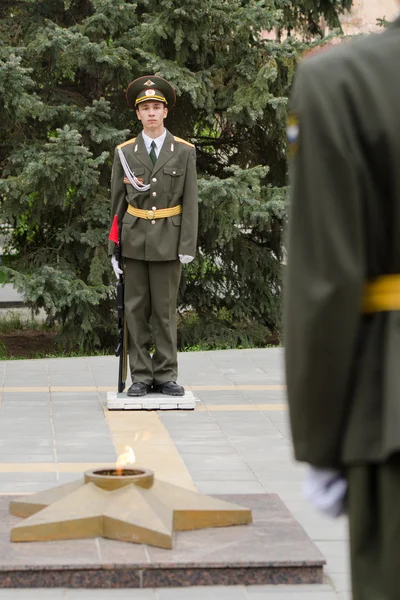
342	302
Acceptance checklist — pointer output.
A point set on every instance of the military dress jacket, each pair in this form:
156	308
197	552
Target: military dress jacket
173	182
342	366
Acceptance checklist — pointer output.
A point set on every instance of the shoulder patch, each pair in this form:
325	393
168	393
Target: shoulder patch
293	132
178	139
126	143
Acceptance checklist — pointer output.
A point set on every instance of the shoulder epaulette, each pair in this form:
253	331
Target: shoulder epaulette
126	143
178	139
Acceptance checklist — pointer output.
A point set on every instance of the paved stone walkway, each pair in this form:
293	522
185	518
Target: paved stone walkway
54	424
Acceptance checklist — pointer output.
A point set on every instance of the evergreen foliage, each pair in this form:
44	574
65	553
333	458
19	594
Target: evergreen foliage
64	68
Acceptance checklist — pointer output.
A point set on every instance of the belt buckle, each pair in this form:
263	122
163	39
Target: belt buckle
150	214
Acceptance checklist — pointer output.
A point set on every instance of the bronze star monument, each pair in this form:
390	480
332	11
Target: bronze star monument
130	506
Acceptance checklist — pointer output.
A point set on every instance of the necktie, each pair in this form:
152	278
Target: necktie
153	154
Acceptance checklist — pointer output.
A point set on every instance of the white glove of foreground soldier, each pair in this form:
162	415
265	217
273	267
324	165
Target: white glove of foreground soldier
326	490
185	258
116	268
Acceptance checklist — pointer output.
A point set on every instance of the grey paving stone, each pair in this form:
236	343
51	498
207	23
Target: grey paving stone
314	588
255	378
210	448
206	379
230	487
341	581
338	564
32	594
95	409
202	593
235	430
206	395
22	477
211	463
193	427
27	458
24	421
294	594
319	528
24	442
237	475
86	457
28	382
80	426
24	436
251	418
64	379
11	413
83	411
74	396
22	487
197	435
259	395
67	477
275	478
26	402
183	418
91	427
35	445
63	437
131	594
16	377
216	400
95	426
268	456
17	367
333	548
79	446
265	442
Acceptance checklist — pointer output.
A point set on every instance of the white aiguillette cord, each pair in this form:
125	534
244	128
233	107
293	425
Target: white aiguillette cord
138	185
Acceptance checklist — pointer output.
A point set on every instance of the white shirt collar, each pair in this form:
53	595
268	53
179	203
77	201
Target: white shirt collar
158	141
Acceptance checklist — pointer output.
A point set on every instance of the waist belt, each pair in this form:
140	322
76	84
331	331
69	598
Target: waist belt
382	294
159	213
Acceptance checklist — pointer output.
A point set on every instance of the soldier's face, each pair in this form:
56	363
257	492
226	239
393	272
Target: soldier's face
152	115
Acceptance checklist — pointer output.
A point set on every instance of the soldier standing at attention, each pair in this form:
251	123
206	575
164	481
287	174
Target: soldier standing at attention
154	196
342	300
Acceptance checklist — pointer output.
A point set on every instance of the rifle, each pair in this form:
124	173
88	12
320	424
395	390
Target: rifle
121	350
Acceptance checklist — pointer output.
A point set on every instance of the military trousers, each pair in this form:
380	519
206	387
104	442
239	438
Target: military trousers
374	519
151	291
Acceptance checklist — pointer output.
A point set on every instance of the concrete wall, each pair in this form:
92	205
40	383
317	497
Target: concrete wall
362	17
365	12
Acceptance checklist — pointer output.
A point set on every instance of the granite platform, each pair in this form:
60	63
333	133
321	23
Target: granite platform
151	401
274	549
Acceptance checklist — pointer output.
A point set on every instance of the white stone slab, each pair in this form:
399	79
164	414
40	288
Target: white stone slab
116	401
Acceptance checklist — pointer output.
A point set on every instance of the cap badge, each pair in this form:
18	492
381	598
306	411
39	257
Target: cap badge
150	93
148	83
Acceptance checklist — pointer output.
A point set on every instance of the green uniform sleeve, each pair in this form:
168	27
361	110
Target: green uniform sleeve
189	224
118	192
325	267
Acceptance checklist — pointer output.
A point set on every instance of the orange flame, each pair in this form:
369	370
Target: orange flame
126	458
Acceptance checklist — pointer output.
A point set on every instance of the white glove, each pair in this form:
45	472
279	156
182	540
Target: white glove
185	258
116	268
326	490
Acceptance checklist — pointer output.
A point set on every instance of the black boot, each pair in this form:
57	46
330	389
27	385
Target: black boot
139	389
170	388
